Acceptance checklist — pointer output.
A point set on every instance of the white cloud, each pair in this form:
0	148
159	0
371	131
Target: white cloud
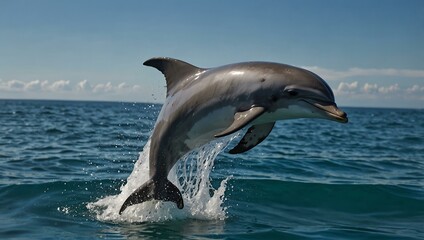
103	88
32	86
370	88
83	86
66	86
44	84
347	92
110	88
347	87
365	86
330	74
374	90
123	86
35	86
14	85
390	89
415	89
60	85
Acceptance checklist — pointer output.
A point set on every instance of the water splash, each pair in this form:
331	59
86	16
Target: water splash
191	175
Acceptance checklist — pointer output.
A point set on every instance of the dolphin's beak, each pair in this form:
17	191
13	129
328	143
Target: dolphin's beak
330	110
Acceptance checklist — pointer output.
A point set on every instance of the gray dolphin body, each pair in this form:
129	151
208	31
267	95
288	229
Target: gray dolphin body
204	104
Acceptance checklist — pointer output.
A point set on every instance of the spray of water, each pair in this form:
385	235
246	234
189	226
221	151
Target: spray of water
191	175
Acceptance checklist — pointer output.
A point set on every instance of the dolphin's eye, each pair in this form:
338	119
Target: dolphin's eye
292	93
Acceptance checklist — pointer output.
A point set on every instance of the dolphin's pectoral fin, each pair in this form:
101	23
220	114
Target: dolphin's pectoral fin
241	119
254	135
158	190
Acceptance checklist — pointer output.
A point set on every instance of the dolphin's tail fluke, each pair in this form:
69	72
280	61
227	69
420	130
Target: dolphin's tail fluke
155	190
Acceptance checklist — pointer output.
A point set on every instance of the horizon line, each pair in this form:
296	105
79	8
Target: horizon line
161	103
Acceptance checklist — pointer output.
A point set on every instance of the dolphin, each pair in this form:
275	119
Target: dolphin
203	104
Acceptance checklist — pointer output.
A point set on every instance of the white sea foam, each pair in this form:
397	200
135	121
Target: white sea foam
191	175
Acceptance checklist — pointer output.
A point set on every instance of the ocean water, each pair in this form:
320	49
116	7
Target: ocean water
65	168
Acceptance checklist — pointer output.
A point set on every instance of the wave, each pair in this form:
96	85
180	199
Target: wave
348	198
191	175
286	208
232	193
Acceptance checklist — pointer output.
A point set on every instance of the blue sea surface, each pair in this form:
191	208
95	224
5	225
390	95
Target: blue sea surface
310	179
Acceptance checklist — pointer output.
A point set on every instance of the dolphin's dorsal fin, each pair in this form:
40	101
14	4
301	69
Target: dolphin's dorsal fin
254	135
174	70
242	119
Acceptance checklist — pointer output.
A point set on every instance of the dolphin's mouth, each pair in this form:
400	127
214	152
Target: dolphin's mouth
330	109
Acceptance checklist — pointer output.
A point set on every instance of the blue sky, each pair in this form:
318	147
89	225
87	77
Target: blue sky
370	52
